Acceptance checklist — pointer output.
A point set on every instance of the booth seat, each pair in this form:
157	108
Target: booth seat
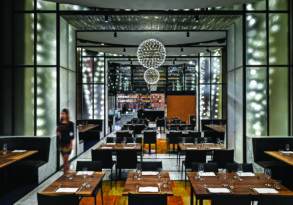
38	167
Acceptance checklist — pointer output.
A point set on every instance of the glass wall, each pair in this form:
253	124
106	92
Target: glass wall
267	68
34	73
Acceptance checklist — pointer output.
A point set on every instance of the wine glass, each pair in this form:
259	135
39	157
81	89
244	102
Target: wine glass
195	141
287	147
268	175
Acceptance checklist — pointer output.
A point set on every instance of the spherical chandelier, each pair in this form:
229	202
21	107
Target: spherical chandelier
151	76
151	53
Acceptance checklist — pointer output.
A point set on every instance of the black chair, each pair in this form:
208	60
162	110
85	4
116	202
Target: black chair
105	158
110	139
89	166
150	137
214	136
207	167
138	128
147	199
161	123
193	156
231	200
223	157
150	166
173	138
234	167
126	159
275	200
57	200
124	133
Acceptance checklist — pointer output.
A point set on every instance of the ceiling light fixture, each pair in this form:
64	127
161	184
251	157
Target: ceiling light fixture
151	53
151	76
115	34
106	18
187	34
124	50
181	49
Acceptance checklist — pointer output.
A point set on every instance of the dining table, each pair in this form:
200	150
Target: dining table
10	157
80	183
208	186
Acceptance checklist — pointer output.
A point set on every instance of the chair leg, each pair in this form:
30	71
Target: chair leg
111	177
102	195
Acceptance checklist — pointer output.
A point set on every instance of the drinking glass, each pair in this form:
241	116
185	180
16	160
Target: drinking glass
205	140
218	141
195	141
5	149
287	147
239	168
183	140
268	175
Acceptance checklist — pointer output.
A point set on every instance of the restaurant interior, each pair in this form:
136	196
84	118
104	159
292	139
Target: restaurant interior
146	102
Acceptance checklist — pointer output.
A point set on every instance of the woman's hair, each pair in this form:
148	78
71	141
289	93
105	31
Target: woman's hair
65	110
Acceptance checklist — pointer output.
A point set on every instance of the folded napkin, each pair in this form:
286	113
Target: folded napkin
191	148
149	173
188	143
128	147
67	190
207	174
89	173
132	143
218	190
148	189
110	143
106	147
18	150
266	190
245	174
287	152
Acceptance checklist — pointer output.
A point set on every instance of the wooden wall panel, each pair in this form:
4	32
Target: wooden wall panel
181	106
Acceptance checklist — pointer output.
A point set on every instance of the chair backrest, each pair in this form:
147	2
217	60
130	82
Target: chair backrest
192	156
234	167
123	134
275	200
138	128
151	166
57	200
110	139
89	166
104	157
207	167
222	157
126	159
231	200
147	199
174	137
194	134
160	122
149	137
128	139
214	136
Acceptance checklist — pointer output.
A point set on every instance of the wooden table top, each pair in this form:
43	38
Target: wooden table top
85	128
72	180
217	128
121	146
11	157
162	181
241	186
286	158
201	146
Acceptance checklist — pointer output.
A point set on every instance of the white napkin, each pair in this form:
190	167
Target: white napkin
218	190
148	189
128	147
266	190
245	174
188	143
67	190
131	143
106	147
152	125
89	173
19	150
207	174
149	173
191	148
110	143
287	152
